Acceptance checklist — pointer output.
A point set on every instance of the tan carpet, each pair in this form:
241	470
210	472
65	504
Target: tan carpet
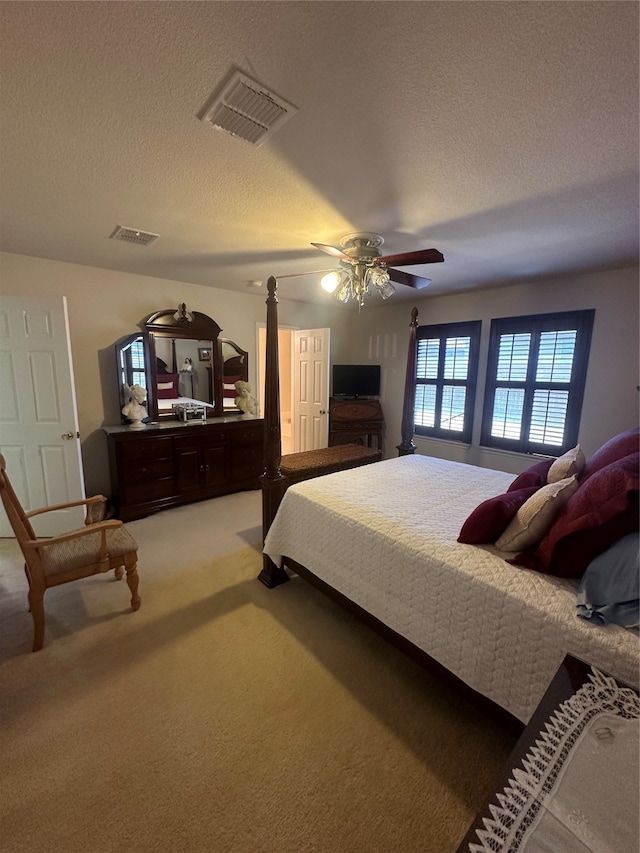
223	716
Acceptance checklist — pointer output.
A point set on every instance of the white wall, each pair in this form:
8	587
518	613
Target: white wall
380	335
105	306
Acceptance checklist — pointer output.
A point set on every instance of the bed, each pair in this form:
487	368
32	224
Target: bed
383	539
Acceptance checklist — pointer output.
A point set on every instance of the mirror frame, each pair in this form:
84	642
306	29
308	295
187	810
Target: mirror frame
184	325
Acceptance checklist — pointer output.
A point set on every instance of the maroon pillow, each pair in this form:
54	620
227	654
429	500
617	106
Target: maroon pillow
489	519
603	510
167	387
616	448
536	476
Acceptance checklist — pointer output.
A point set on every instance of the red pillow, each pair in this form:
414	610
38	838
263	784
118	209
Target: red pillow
536	476
489	519
167	386
603	510
616	448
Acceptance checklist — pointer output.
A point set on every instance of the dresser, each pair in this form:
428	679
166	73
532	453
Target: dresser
356	421
173	463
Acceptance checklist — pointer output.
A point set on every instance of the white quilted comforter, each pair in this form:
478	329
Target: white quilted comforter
385	536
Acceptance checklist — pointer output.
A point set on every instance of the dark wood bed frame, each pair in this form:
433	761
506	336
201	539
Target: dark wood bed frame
280	472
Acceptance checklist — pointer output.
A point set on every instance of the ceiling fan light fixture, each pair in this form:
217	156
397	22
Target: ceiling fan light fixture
331	280
365	269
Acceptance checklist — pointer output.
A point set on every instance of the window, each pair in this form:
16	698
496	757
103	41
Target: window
536	373
447	363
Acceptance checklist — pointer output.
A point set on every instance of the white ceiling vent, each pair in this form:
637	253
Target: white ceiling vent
245	108
133	235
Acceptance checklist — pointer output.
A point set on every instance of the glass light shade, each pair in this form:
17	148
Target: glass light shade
378	276
331	280
386	290
345	292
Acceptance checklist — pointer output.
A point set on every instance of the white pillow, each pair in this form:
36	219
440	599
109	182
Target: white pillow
571	462
536	515
164	386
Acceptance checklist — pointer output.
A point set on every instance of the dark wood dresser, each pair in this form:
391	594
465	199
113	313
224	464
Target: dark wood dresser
355	422
173	463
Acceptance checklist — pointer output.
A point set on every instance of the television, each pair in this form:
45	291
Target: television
356	380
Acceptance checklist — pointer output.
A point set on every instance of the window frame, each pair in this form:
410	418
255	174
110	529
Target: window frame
535	324
442	331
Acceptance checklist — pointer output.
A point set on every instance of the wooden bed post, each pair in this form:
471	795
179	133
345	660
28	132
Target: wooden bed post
273	482
407	447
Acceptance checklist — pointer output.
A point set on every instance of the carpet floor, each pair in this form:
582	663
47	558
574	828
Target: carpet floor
223	716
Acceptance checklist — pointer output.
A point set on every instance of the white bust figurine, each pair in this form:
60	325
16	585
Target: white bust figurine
134	410
245	401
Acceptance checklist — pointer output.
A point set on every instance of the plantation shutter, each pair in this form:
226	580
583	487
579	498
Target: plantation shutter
535	381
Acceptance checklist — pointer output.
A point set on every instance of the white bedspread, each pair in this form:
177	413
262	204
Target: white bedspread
385	536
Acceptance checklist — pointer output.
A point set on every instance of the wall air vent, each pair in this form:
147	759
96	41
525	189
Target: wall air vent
246	108
133	235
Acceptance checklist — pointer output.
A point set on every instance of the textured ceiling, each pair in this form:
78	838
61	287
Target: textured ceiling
504	134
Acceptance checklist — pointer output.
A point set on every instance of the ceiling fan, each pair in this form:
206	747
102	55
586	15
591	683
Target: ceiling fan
363	267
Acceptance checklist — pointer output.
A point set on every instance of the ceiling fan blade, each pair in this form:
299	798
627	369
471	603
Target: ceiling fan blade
296	274
400	277
422	256
332	250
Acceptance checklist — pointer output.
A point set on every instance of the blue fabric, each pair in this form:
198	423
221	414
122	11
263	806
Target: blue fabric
610	587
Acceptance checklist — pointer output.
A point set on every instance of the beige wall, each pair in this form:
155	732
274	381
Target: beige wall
611	397
105	305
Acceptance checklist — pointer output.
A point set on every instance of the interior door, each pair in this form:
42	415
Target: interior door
39	435
311	389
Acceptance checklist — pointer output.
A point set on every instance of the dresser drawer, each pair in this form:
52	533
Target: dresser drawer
148	448
149	490
203	439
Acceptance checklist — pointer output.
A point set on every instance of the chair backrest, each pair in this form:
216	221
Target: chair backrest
19	522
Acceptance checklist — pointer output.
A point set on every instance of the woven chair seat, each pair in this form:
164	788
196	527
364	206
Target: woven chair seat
70	555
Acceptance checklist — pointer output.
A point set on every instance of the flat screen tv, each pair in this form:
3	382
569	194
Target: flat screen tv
356	380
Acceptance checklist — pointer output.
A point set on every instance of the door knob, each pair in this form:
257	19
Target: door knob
323	411
68	436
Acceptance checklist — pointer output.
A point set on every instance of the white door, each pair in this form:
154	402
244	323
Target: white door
38	418
311	389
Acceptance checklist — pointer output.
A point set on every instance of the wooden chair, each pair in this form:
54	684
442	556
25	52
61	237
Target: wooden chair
97	547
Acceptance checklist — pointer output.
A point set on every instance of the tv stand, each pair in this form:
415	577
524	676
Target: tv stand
356	421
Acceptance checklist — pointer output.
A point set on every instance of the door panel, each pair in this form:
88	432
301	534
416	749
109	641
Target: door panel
38	418
311	389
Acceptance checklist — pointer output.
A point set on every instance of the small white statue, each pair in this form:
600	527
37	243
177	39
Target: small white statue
134	410
245	401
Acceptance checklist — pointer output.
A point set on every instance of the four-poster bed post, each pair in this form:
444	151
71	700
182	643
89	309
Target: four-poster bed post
407	446
273	481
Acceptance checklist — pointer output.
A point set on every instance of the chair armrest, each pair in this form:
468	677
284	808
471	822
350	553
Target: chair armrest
84	502
98	527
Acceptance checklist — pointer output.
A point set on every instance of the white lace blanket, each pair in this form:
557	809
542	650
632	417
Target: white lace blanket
577	790
385	536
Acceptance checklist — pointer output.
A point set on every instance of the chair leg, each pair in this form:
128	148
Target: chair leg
132	580
119	572
36	605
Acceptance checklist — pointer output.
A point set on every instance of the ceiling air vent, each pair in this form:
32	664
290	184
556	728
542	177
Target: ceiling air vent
246	108
133	235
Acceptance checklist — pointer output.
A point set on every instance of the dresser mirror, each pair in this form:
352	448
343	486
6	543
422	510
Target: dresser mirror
180	359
